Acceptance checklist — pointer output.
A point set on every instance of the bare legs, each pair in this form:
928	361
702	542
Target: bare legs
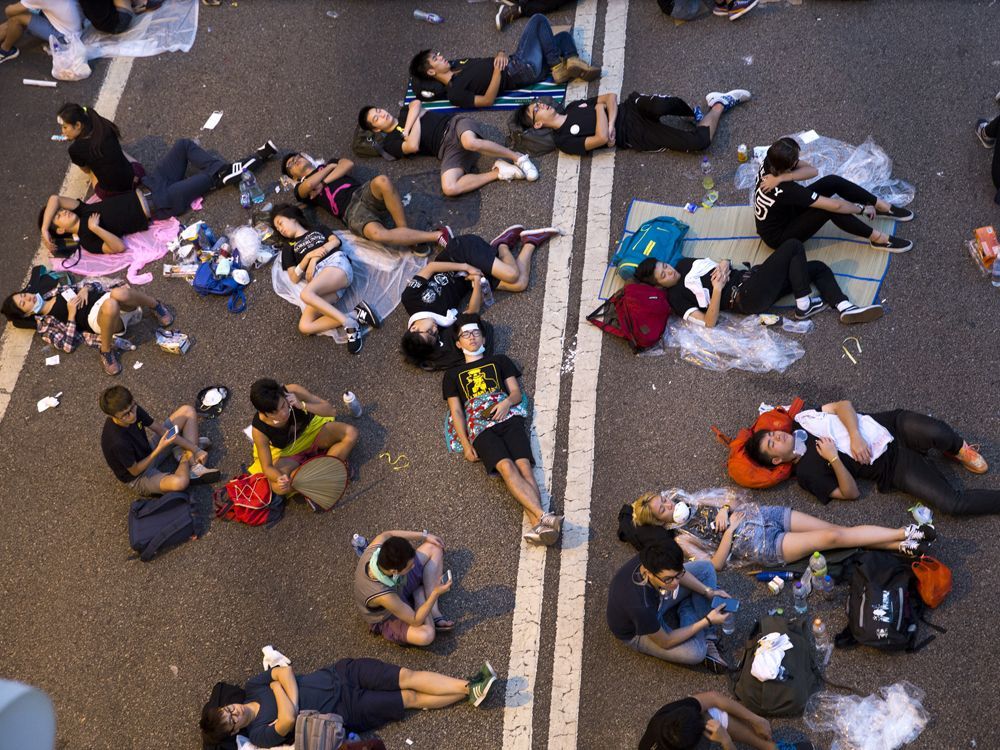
401	234
513	274
337	439
520	480
320	315
430	689
455	182
809	534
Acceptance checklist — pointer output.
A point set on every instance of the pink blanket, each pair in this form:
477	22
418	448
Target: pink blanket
140	248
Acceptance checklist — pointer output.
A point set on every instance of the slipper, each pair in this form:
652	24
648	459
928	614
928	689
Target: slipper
443	625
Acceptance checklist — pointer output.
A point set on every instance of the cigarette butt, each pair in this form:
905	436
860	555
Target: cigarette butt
36	82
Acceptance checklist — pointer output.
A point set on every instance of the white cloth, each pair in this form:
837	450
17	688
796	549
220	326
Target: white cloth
820	424
64	15
720	716
274	658
443	321
243	743
770	653
692	280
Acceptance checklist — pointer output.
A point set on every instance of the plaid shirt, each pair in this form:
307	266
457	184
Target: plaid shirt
63	334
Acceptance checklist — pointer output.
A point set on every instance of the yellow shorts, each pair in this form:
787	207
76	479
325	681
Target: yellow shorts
300	446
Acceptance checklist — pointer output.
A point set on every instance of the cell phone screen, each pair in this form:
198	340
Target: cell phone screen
732	605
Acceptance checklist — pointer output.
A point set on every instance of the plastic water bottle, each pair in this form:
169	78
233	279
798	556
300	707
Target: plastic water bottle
487	290
360	544
823	641
706	165
245	198
256	194
352	403
729	624
825	587
817	566
423	15
707	182
800	599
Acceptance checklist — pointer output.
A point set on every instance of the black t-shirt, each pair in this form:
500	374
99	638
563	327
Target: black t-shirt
334	196
292	251
320	691
438	294
105	159
60	310
101	13
432	128
281	436
472	379
126	446
682	300
816	476
120	215
776	209
581	123
471	78
632	605
654	731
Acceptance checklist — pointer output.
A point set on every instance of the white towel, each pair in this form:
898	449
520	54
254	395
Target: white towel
692	280
770	653
820	424
274	658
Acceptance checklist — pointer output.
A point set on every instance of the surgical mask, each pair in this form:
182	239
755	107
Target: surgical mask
799	449
478	351
391	581
39	304
682	512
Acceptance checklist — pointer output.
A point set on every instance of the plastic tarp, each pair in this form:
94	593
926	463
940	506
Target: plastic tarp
171	28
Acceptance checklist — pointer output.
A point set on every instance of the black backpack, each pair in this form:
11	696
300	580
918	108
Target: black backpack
160	523
802	678
368	144
884	609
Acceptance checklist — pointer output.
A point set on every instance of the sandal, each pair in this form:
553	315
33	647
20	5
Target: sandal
443	624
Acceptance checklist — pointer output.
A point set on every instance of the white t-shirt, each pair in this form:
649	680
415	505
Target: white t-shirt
65	15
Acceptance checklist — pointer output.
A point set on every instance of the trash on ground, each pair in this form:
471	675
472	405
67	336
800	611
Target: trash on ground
883	721
49	402
36	82
173	342
53	360
213	120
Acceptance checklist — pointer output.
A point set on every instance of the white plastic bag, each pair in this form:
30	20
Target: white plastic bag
247	242
69	60
872	723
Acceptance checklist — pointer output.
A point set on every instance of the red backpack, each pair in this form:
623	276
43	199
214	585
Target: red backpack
637	313
246	499
744	470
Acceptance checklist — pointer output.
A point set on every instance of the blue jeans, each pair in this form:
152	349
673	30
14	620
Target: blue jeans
538	51
171	192
690	607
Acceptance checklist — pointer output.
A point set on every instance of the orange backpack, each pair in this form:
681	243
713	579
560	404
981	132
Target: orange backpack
933	580
744	470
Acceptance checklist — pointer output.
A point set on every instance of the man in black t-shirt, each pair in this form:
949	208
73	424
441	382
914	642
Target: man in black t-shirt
109	16
477	81
828	467
454	139
490	423
135	462
589	124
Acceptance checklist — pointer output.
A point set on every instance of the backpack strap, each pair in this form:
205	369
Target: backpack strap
237	301
160	539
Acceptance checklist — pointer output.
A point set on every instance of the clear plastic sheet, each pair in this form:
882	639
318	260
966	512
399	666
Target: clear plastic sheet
886	721
172	28
247	242
866	165
735	342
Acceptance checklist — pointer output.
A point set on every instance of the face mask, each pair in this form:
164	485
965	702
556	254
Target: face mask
390	581
799	449
682	512
478	351
39	304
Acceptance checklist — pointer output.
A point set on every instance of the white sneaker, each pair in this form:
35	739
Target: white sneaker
728	99
507	171
530	170
204	474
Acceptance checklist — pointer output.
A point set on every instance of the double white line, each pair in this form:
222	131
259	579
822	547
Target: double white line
526	628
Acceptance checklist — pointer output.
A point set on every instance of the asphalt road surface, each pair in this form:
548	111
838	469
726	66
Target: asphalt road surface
129	652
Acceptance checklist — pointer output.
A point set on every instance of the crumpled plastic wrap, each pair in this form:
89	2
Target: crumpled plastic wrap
886	721
735	342
866	165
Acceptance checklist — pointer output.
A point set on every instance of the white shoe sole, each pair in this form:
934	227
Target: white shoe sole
862	315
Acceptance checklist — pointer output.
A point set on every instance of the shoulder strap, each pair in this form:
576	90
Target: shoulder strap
158	541
156	504
237	301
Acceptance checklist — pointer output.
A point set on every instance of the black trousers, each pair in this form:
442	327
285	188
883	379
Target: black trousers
639	125
916	475
993	131
786	270
530	7
811	220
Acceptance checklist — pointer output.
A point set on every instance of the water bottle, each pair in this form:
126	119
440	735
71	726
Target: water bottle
245	199
484	285
817	566
352	403
826	587
799	599
423	15
256	194
707	182
706	165
360	544
729	624
767	575
823	641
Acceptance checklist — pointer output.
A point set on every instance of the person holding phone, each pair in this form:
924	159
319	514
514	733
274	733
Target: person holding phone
137	462
660	606
397	587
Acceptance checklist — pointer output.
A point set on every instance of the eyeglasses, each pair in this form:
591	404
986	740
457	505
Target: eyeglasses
666	580
128	412
470	334
229	718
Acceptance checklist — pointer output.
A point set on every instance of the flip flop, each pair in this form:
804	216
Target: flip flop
443	624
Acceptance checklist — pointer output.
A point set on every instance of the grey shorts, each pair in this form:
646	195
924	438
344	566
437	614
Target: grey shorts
453	154
760	541
364	209
147	484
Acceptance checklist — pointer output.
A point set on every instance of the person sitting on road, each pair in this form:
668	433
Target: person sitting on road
455	139
730	528
510	10
661	606
95	147
784	209
100	226
700	288
434	295
366	209
589	124
292	424
41	19
397	588
889	448
311	253
366	693
88	312
477	81
987	131
684	724
136	462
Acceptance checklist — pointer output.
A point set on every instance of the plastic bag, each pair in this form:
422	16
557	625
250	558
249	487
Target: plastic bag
735	342
69	60
172	28
866	165
878	722
247	242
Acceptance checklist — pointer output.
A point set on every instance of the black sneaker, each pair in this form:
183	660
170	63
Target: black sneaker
898	213
229	173
366	316
423	250
815	306
913	547
854	314
9	55
922	533
354	340
980	133
266	151
894	245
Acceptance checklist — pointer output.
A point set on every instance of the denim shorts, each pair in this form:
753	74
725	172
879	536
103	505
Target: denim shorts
759	537
41	27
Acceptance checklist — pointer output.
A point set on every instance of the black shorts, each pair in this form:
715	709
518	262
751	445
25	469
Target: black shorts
474	250
370	696
508	439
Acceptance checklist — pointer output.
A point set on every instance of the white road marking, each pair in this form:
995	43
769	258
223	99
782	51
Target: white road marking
527	619
564	711
16	342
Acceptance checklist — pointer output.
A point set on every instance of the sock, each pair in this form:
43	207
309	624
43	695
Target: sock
802	303
845	305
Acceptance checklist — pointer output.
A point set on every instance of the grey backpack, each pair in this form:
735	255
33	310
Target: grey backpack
316	731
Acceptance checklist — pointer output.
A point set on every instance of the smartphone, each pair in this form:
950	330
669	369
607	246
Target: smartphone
68	294
171	432
732	605
446	578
